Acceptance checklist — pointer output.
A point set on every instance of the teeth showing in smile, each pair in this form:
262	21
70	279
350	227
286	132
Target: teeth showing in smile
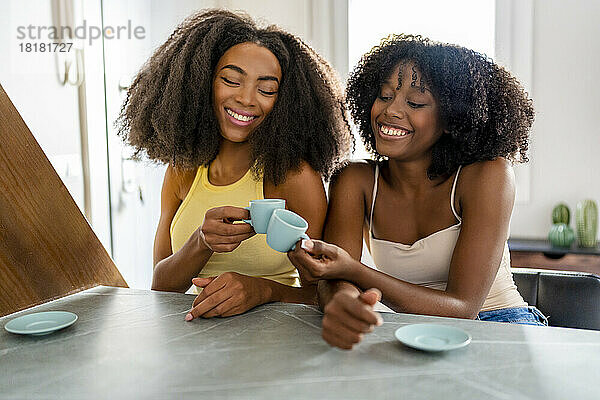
388	130
239	117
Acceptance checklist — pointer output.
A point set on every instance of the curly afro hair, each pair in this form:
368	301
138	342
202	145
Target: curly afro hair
168	113
483	108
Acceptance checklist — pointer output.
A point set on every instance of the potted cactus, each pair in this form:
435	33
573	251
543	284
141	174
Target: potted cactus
587	223
561	214
561	234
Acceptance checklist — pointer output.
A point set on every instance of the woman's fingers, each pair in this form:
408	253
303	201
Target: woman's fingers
347	320
370	296
202	282
348	317
229	213
353	313
313	267
354	307
223	244
228	294
219	228
216	239
208	304
304	262
224	248
227	229
211	288
322	260
221	309
341	337
219	221
319	248
218	231
239	309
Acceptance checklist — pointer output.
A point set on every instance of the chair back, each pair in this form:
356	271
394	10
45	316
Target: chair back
569	299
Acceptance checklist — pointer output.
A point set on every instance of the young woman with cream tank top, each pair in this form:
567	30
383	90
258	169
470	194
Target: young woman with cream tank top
239	112
426	262
444	124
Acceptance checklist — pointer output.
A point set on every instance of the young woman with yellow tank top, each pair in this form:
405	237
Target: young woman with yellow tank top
444	124
239	113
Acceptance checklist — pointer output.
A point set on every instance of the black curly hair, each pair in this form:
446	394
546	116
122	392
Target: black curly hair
168	113
483	108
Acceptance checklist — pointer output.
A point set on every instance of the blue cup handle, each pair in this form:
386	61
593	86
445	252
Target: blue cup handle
248	221
304	236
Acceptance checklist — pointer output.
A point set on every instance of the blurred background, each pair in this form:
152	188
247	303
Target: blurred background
70	100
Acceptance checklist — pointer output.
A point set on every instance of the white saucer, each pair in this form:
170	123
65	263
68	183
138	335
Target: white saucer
41	323
432	337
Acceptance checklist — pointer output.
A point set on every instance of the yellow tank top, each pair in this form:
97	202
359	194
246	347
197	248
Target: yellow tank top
253	257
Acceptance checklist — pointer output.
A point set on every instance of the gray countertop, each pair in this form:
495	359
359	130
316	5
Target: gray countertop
135	344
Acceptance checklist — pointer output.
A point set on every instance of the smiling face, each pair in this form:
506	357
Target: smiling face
245	87
405	116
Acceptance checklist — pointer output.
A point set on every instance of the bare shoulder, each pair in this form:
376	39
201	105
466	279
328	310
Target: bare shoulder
305	174
488	173
179	180
488	179
302	181
355	175
303	177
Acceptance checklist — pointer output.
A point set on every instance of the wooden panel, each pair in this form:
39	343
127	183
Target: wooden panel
569	262
47	248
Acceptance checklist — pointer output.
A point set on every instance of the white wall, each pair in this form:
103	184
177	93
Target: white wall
31	80
565	149
321	23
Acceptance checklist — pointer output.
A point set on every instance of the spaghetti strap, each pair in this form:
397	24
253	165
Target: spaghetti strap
373	196
452	195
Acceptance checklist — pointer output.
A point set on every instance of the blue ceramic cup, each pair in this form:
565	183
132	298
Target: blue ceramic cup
260	213
285	229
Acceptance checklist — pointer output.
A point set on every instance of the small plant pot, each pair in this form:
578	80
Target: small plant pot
561	235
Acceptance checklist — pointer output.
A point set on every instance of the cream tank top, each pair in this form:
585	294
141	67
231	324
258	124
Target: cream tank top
427	261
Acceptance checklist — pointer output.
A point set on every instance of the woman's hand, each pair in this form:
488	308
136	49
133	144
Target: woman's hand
218	231
228	294
348	316
316	260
